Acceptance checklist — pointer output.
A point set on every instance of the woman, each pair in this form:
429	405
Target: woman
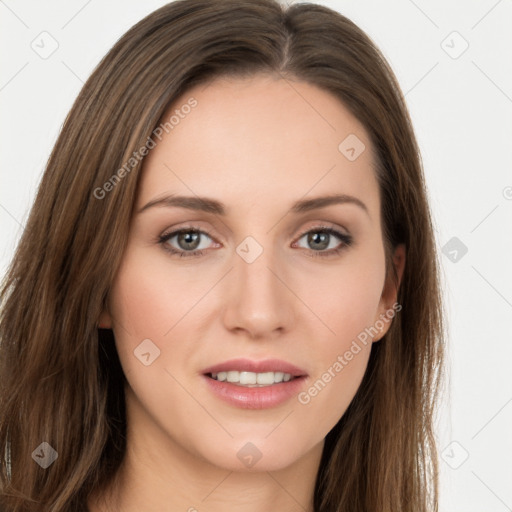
227	291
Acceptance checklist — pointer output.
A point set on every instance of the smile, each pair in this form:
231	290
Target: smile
251	379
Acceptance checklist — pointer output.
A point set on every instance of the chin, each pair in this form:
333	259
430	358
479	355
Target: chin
255	454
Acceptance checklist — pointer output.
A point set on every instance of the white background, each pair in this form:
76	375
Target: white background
462	113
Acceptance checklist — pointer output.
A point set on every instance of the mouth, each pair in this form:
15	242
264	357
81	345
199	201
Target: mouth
247	384
252	379
251	373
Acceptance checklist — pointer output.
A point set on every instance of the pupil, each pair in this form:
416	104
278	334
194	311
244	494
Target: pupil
316	238
189	238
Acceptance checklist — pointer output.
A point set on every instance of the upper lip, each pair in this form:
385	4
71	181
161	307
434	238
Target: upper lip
248	365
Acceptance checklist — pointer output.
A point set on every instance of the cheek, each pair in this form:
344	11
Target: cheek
341	357
146	302
347	303
347	298
330	392
147	299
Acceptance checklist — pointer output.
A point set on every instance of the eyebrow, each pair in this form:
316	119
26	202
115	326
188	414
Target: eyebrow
210	205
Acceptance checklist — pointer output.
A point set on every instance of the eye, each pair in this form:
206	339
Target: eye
188	241
320	238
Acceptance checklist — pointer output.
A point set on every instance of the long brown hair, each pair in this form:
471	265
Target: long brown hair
60	377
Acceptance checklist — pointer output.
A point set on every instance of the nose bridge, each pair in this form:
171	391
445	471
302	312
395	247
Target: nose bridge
259	301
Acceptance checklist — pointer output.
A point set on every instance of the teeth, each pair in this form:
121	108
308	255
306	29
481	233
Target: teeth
251	379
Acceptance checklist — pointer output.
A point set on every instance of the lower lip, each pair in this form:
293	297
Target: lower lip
256	397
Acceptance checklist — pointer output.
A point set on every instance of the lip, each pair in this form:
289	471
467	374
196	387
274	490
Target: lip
248	365
255	397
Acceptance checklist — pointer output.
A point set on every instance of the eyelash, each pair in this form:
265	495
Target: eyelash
345	239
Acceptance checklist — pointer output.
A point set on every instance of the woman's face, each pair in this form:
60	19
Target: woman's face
252	276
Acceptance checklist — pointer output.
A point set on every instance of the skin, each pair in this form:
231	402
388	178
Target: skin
257	145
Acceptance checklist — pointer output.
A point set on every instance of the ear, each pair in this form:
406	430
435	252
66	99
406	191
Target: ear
386	309
105	321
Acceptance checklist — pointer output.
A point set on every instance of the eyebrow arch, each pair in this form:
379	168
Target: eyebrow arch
209	205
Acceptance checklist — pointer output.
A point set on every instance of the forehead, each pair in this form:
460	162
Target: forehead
260	139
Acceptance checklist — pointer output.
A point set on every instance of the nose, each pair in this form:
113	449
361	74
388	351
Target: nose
259	301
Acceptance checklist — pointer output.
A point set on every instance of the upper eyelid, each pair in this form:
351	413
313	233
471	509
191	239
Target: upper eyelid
325	225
